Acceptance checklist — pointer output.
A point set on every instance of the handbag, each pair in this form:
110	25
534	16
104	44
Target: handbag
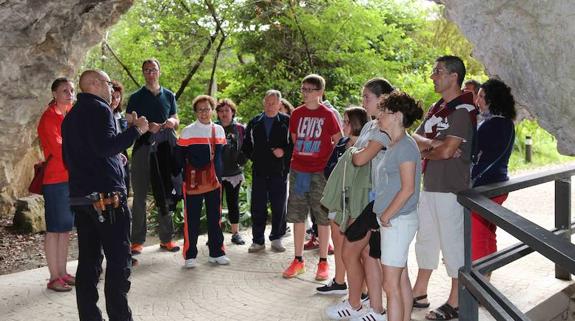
37	181
199	180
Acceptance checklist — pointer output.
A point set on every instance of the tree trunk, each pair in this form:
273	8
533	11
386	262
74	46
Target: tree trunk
215	64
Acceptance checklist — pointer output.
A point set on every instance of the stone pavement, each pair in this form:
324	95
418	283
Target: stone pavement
251	287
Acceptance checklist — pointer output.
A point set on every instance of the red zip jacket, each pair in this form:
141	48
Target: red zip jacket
50	135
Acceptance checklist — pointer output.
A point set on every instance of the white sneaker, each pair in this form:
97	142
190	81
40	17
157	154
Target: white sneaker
255	247
190	263
370	315
221	260
343	311
277	245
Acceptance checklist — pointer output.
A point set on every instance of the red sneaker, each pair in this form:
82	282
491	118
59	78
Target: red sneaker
312	244
296	268
170	246
322	273
137	248
330	249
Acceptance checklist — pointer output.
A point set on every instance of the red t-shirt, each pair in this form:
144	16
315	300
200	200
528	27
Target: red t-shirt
50	135
313	145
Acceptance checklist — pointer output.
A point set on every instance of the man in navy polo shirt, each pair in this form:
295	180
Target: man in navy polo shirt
158	105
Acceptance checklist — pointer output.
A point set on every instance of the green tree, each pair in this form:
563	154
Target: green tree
345	41
180	34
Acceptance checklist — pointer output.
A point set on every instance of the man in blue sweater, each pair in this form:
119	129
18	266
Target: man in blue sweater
92	152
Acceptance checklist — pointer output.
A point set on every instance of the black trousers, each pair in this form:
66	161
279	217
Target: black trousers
272	189
232	201
113	237
194	205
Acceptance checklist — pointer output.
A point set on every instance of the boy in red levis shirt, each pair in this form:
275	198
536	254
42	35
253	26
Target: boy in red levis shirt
314	129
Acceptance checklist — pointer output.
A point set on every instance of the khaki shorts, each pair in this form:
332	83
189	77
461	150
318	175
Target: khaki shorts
299	205
440	228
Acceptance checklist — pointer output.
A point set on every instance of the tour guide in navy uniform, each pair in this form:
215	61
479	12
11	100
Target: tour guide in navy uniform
93	155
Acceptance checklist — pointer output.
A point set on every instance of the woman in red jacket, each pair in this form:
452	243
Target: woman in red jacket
59	217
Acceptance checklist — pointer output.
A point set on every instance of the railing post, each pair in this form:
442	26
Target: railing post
563	218
468	307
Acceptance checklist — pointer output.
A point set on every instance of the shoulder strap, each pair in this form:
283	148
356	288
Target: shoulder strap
509	145
213	141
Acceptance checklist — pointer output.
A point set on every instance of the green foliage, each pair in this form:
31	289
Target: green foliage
275	43
345	41
174	32
544	148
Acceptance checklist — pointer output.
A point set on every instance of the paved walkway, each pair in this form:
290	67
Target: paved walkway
251	288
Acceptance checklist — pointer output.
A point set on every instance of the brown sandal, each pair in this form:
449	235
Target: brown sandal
59	285
444	312
420	305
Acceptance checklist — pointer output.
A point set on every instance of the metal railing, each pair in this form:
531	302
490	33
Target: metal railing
555	245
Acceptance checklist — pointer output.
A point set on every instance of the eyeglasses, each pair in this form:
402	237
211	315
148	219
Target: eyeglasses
203	110
437	71
150	70
308	90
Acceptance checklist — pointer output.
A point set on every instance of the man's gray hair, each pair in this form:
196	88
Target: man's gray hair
273	92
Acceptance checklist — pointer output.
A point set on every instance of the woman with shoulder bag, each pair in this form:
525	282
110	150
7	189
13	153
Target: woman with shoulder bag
59	217
495	137
199	154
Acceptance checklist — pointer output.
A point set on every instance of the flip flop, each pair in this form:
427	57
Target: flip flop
420	305
444	312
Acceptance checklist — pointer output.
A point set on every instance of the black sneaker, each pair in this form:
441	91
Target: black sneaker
365	299
237	239
333	288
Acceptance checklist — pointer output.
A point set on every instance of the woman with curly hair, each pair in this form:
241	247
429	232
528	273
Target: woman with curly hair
496	135
396	196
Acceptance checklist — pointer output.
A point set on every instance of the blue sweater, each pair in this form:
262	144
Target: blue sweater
493	137
91	147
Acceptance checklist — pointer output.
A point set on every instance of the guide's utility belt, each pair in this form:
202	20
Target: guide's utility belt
103	203
100	201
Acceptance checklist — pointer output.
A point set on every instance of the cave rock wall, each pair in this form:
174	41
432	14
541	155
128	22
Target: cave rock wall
529	45
40	41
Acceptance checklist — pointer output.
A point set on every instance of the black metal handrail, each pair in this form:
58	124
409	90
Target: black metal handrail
555	245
